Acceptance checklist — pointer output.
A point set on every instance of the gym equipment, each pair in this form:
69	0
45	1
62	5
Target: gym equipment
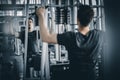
63	18
26	37
62	15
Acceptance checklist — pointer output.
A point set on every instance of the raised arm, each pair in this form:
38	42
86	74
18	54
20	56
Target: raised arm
44	32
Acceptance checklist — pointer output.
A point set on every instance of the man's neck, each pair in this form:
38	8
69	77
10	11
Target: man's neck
30	30
84	30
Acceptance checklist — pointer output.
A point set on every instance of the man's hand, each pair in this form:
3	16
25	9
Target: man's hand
44	32
40	11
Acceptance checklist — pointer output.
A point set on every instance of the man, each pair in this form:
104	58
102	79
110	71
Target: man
32	50
83	46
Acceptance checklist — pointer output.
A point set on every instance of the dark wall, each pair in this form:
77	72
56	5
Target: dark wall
112	10
112	18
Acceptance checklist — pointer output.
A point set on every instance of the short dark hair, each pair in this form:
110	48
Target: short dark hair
85	14
30	18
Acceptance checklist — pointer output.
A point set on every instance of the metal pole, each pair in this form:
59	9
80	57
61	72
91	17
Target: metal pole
54	29
45	74
45	71
26	36
73	15
98	20
47	65
103	16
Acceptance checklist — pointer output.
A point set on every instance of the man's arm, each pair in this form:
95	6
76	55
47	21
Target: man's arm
44	32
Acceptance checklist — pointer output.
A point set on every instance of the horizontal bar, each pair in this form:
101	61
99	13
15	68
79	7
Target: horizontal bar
93	6
16	6
12	17
22	6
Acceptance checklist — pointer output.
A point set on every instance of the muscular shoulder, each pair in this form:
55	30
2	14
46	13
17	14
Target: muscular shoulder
69	34
65	38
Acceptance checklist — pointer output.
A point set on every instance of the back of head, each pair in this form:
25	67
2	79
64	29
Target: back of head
85	14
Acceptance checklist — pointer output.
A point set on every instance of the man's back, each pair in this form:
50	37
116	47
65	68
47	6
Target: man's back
82	50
